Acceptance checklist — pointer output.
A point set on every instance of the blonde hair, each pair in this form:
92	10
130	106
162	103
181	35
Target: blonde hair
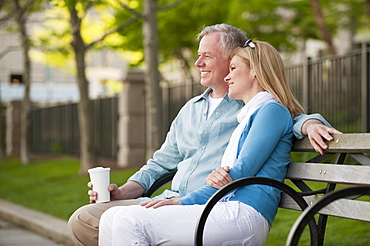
268	66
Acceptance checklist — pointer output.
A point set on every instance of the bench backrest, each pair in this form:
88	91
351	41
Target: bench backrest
333	173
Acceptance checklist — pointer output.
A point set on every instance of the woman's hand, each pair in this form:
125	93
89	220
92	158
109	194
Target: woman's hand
219	177
160	203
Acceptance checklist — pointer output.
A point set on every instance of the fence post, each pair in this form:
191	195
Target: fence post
131	121
306	84
165	111
365	87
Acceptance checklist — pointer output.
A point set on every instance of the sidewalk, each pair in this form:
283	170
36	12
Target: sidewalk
11	235
22	226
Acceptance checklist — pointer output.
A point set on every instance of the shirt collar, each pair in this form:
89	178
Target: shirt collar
204	96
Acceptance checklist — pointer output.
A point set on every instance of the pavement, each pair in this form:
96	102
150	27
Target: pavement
21	226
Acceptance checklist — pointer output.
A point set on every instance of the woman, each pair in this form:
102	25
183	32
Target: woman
256	76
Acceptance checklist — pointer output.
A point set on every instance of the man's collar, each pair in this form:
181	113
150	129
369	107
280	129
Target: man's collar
205	94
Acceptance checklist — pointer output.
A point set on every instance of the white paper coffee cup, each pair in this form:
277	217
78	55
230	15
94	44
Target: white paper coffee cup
100	178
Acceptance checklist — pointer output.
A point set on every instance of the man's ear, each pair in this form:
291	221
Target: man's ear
254	73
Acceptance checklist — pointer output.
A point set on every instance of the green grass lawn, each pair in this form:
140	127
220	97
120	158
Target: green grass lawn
54	187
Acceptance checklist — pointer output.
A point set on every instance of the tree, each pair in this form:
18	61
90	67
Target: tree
21	10
21	17
77	10
125	16
3	19
321	25
153	93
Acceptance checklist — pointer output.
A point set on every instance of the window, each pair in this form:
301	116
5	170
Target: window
16	79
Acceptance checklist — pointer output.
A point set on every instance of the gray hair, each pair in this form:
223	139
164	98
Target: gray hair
231	37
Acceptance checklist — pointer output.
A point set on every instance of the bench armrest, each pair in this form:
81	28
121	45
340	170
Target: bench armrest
158	184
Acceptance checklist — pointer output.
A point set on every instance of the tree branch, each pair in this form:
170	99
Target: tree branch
89	5
119	28
170	6
6	18
132	11
367	4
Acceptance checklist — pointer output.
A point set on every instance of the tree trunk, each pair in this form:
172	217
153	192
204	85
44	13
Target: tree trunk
88	159
2	137
26	103
153	92
323	29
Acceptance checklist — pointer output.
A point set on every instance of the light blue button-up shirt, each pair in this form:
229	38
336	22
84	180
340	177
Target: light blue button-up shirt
194	145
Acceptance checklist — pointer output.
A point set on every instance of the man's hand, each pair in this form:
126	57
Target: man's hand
130	190
115	193
317	133
219	177
160	203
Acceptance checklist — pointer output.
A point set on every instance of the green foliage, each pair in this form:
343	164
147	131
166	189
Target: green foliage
282	23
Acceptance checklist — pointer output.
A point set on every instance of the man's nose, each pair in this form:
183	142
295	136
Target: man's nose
199	62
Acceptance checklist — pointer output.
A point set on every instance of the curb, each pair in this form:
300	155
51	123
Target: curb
40	223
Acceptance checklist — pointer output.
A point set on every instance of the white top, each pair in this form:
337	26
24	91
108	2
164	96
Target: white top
212	104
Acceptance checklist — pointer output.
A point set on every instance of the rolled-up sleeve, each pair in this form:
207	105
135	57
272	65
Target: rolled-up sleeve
301	119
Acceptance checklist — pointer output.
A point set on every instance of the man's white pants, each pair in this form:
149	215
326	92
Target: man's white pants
229	223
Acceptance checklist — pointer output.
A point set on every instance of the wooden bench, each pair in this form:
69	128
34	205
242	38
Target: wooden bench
330	169
328	201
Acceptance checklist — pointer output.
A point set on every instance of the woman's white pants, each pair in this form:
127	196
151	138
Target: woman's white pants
229	223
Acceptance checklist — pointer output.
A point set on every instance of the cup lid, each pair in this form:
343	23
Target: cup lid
98	169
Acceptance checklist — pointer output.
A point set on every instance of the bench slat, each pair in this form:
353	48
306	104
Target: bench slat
342	143
343	208
288	203
331	173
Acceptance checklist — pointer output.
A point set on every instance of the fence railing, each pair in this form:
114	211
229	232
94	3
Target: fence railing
337	87
56	129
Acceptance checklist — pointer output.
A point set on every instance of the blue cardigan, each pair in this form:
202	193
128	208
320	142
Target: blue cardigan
263	151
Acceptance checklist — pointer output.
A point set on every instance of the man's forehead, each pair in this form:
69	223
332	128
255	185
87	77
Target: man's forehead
209	46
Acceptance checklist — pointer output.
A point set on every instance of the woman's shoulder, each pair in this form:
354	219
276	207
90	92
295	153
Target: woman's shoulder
274	107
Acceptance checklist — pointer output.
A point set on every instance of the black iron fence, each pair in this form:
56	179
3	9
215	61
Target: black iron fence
337	87
56	130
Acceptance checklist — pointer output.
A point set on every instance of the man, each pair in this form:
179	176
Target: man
197	138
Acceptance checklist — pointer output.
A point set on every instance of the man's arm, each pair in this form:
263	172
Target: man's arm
316	128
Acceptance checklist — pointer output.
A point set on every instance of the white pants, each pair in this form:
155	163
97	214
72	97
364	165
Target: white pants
229	223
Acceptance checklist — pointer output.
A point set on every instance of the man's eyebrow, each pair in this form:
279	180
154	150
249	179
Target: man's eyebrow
205	52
